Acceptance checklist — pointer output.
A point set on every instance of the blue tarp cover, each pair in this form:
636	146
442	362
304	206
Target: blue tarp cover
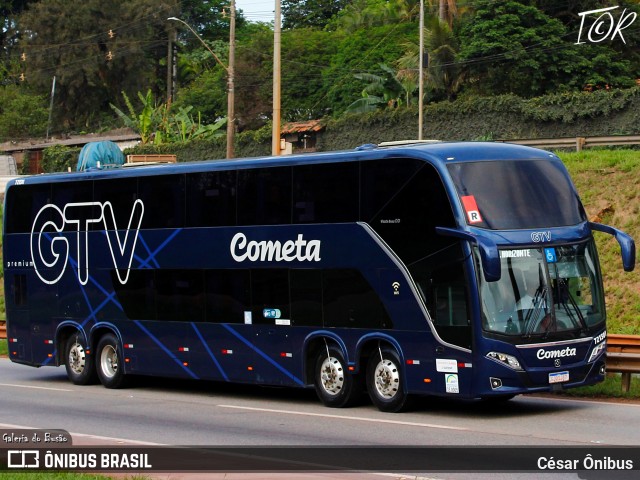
107	153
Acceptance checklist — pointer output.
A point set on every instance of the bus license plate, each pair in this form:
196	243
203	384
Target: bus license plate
558	377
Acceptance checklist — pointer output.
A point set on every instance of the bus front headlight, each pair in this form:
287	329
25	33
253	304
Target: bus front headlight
505	359
597	350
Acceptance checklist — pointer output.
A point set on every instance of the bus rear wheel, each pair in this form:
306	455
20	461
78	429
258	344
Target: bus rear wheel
384	381
109	362
335	386
78	363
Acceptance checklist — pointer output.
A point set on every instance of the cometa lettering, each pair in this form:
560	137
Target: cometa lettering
543	354
299	250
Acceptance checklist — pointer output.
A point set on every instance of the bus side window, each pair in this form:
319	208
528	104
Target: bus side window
121	194
23	204
211	199
325	193
450	305
306	297
138	295
80	193
164	201
180	295
349	301
264	196
228	295
19	290
270	294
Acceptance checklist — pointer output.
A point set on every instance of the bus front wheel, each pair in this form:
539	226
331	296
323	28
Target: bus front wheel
109	362
384	381
335	385
78	363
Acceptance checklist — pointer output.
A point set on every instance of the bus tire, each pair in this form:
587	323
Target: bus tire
109	362
336	387
78	363
385	382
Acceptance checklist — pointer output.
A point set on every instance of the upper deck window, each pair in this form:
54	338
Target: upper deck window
518	194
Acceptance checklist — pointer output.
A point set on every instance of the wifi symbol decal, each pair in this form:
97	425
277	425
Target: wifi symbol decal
396	288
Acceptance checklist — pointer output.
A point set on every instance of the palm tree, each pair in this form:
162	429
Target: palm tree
443	74
390	90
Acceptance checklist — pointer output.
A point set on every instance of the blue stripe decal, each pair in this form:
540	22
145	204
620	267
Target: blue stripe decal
157	250
146	247
210	352
166	350
263	355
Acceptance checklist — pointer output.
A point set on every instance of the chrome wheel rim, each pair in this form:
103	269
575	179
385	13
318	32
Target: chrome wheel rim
109	361
77	358
386	379
332	376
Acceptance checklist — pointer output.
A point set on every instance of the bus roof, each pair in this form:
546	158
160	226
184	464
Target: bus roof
437	153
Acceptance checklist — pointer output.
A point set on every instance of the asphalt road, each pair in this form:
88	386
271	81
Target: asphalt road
170	412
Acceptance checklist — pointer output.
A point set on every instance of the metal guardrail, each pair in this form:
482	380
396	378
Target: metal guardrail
623	356
578	142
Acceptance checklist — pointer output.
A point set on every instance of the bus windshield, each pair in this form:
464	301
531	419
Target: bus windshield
517	194
544	291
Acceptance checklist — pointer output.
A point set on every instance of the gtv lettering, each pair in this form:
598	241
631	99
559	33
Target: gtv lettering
50	252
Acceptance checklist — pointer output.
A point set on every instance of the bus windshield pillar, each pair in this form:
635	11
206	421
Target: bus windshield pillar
488	251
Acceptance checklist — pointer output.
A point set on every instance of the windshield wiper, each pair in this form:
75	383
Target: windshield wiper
539	301
571	312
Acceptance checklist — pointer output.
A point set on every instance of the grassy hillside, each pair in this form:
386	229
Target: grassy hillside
609	184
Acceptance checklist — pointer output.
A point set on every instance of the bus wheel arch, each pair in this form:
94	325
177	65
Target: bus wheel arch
335	385
385	378
109	360
76	356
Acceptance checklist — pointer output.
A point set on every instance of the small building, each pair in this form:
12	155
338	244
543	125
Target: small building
34	148
302	135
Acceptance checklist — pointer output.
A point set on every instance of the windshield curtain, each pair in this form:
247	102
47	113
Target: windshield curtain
517	194
544	290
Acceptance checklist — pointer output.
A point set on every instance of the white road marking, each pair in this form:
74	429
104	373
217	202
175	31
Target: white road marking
35	388
345	417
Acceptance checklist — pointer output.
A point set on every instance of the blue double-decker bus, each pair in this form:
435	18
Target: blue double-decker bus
464	270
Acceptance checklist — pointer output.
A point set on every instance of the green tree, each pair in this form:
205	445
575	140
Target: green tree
305	53
210	18
95	49
22	114
509	47
310	13
391	89
9	11
160	123
371	13
362	50
443	75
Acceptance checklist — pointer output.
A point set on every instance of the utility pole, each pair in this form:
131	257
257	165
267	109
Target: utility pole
421	73
275	133
231	113
228	69
170	64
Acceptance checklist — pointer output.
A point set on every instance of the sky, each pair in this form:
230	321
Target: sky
257	10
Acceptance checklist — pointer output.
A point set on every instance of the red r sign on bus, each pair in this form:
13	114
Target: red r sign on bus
471	207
